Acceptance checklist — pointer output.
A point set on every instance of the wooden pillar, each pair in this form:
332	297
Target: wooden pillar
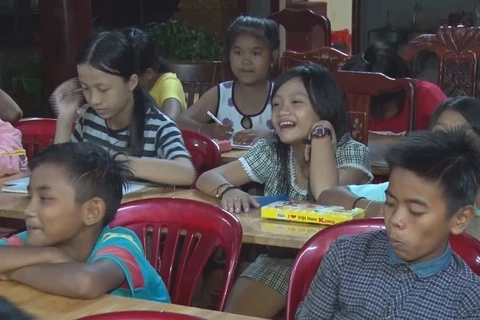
66	25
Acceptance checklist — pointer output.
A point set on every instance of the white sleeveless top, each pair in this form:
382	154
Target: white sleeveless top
228	112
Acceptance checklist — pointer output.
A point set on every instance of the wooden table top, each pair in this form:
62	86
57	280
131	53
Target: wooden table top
46	306
255	229
232	155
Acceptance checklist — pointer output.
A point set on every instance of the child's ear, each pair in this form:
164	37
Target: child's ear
149	74
93	211
132	82
461	220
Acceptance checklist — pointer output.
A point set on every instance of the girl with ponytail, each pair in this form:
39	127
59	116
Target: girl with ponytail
121	116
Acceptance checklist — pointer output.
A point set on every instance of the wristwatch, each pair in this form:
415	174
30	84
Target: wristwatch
320	132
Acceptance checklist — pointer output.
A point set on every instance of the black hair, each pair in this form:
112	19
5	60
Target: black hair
449	157
92	171
8	311
263	28
327	99
380	58
467	107
111	52
146	52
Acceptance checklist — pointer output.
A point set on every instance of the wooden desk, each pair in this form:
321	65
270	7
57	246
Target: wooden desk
232	155
45	306
255	229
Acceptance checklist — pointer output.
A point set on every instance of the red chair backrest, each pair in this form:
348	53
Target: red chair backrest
311	254
205	153
179	237
140	315
37	134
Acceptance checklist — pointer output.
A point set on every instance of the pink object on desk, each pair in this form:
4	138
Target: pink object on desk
11	143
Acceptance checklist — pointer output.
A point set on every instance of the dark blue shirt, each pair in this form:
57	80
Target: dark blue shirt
361	278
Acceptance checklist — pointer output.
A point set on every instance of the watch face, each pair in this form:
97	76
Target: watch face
321	132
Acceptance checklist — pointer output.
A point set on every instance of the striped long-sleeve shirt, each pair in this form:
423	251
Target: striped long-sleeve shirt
162	138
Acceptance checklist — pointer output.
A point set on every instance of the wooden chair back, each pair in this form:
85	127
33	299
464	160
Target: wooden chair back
328	57
196	77
360	87
458	51
299	24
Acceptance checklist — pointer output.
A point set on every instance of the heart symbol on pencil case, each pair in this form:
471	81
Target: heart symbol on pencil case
293	216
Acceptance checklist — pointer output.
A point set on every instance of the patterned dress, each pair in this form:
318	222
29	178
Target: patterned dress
261	164
228	112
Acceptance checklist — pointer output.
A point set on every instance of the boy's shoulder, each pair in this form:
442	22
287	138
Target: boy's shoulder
119	235
357	247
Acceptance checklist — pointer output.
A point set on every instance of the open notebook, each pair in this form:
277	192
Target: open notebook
20	186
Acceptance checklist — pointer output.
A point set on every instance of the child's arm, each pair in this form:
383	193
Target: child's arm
256	165
195	118
14	257
72	279
178	172
9	109
321	301
342	196
172	108
321	154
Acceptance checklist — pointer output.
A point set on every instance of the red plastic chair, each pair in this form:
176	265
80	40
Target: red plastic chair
311	254
179	237
204	151
37	134
140	315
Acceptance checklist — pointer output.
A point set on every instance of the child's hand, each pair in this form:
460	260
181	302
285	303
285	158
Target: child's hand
236	201
245	137
67	98
217	131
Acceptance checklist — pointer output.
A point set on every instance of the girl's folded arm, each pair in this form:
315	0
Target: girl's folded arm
179	171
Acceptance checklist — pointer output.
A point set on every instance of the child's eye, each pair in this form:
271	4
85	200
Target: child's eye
45	199
256	53
275	104
103	90
416	214
389	204
236	52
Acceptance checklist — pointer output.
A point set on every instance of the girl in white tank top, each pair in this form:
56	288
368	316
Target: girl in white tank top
243	106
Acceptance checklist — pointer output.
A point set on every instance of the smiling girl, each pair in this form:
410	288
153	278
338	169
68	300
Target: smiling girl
121	115
310	152
243	105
